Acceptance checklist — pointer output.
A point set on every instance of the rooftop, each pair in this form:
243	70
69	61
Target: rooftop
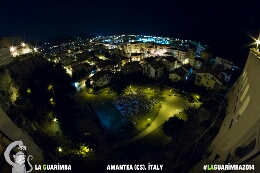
170	59
180	72
98	75
214	72
255	51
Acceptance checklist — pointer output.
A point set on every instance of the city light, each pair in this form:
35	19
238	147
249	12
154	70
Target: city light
60	149
257	43
29	90
23	44
12	49
55	120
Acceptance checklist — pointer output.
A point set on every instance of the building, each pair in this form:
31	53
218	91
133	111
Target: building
224	62
197	62
178	74
206	54
170	62
78	68
227	73
210	79
9	133
103	65
153	69
182	54
240	130
137	56
100	79
133	47
131	67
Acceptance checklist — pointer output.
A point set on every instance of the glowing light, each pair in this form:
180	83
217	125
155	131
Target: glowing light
257	42
52	101
29	90
60	149
148	119
84	150
35	49
49	87
15	54
23	44
76	84
12	49
55	120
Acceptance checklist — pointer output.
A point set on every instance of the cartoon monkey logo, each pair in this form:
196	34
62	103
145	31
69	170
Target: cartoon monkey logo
19	157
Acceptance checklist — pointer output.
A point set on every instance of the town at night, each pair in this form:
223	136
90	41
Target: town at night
129	87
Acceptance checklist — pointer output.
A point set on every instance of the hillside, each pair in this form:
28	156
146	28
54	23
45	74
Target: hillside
13	77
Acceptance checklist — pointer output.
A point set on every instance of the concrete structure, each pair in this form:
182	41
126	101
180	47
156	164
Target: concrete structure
240	130
221	61
9	132
131	67
210	79
206	54
197	62
153	69
137	56
170	63
133	47
182	54
178	74
100	79
103	65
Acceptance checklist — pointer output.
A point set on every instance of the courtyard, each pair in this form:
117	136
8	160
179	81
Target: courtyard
146	106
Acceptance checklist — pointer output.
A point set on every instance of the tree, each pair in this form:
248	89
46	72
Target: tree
172	125
119	83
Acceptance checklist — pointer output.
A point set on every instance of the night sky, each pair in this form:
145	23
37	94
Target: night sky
222	25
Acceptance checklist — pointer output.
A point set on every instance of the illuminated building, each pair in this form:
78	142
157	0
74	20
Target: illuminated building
170	62
226	63
210	78
238	139
100	78
178	74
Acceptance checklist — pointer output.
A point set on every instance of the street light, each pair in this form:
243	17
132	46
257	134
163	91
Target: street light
55	120
12	49
257	43
60	149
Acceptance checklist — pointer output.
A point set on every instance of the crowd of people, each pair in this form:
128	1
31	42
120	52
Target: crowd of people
133	103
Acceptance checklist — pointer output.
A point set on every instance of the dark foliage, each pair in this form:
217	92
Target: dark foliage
172	125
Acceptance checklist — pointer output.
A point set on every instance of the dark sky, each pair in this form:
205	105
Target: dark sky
222	25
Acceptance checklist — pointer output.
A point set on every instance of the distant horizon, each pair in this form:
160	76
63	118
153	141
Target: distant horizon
241	51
